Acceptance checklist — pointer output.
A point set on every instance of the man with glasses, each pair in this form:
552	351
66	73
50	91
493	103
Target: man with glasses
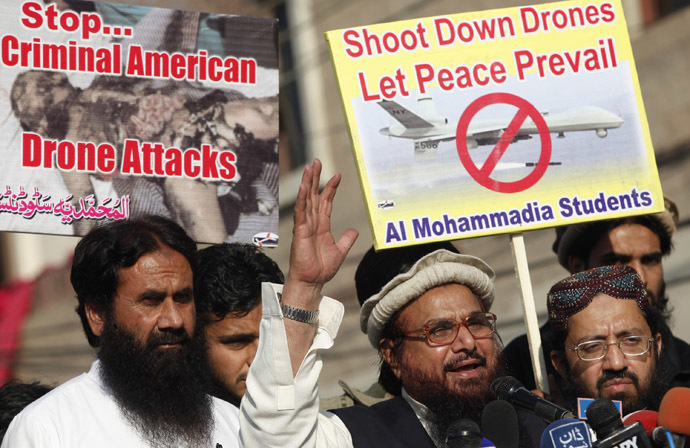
641	242
430	321
606	339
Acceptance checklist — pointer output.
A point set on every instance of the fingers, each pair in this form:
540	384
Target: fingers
310	203
328	194
312	184
315	202
301	205
346	241
316	177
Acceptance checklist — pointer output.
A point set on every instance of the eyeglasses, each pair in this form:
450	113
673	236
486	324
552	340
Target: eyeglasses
628	345
444	331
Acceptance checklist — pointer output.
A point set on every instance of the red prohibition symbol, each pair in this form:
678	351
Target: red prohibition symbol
482	174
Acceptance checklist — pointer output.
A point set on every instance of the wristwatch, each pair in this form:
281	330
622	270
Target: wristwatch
298	314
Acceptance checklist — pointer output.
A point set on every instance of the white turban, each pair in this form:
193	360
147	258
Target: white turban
435	269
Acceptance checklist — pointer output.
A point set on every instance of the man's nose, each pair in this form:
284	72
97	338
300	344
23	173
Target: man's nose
464	340
614	359
170	316
251	352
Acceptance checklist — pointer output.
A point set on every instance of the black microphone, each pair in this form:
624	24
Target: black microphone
463	433
500	424
603	417
509	389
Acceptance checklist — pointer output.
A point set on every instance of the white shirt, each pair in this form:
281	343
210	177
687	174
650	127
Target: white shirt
82	413
279	410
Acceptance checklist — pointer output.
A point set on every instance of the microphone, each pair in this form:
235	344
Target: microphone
463	433
500	424
664	438
566	433
604	419
657	434
674	411
646	417
674	414
510	389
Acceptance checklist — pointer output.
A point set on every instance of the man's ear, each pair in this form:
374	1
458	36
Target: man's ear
96	318
559	363
576	264
388	354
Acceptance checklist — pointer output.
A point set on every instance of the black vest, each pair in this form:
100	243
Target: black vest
391	423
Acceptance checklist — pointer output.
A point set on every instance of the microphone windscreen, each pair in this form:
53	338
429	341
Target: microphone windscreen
463	433
646	417
674	411
501	387
566	433
603	417
500	424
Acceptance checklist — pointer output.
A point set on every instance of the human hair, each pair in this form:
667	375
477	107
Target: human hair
228	278
14	397
105	250
599	229
374	271
392	332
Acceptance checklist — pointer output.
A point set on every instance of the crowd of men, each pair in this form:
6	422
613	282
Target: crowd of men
215	347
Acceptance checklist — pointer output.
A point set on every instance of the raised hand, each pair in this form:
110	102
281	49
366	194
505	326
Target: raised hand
315	256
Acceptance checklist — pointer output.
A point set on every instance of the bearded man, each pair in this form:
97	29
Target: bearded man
134	285
431	323
640	242
605	338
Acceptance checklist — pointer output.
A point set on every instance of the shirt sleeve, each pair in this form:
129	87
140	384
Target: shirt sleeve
29	433
279	410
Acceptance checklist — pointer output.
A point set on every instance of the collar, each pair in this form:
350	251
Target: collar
426	418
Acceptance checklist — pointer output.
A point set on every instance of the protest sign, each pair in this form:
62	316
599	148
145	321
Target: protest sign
497	121
115	111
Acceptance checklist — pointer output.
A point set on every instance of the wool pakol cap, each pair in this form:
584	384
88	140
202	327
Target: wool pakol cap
567	237
435	269
575	293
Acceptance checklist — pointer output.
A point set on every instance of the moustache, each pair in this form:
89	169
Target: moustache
607	376
453	364
166	338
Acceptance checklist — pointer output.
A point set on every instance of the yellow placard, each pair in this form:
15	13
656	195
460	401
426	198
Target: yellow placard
496	121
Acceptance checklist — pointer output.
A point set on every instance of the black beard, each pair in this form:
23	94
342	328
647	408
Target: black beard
161	392
449	406
218	390
661	303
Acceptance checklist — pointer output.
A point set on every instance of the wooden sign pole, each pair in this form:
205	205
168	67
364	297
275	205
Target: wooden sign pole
517	244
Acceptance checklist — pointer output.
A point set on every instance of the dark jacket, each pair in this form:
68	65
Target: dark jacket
520	363
390	423
393	423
